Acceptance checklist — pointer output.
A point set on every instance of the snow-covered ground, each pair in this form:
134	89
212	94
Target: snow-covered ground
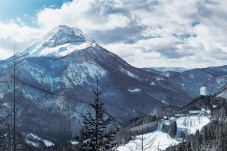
152	141
193	123
46	142
158	139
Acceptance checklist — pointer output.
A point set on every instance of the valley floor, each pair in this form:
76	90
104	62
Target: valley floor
160	140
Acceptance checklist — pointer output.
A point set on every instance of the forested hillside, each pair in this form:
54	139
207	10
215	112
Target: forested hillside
213	137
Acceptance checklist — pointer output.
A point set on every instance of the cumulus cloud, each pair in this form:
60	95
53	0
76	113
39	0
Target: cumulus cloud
190	33
88	15
15	32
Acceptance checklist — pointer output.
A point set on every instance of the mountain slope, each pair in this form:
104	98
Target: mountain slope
205	81
67	63
75	74
222	93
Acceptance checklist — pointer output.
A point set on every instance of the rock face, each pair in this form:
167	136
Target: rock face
62	68
222	93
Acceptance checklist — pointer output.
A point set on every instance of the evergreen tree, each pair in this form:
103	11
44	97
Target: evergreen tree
94	136
173	129
6	140
170	129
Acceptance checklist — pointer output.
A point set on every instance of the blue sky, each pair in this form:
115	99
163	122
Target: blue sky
145	33
26	10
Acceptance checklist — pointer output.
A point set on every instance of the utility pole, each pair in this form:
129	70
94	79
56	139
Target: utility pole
14	101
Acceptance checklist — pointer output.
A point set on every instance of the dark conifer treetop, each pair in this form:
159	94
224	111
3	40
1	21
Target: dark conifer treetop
94	135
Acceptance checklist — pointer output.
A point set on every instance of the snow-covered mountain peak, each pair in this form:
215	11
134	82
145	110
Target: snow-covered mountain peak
60	41
63	34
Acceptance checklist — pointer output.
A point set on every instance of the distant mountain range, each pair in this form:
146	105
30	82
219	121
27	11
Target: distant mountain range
61	69
165	69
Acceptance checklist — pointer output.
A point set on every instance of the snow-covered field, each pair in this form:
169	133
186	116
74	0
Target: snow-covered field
161	141
158	139
193	123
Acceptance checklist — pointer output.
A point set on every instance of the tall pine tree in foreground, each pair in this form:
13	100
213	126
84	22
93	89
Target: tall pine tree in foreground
94	136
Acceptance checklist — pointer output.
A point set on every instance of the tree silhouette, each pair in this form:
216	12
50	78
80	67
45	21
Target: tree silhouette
94	135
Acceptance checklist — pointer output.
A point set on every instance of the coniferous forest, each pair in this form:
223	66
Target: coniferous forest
212	137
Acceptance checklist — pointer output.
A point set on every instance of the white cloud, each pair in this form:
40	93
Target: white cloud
189	33
5	53
19	35
87	15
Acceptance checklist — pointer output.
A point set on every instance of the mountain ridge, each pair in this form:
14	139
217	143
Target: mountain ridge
59	42
128	92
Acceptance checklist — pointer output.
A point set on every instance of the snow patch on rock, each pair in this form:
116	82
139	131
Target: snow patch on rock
134	90
128	73
46	142
203	91
81	73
